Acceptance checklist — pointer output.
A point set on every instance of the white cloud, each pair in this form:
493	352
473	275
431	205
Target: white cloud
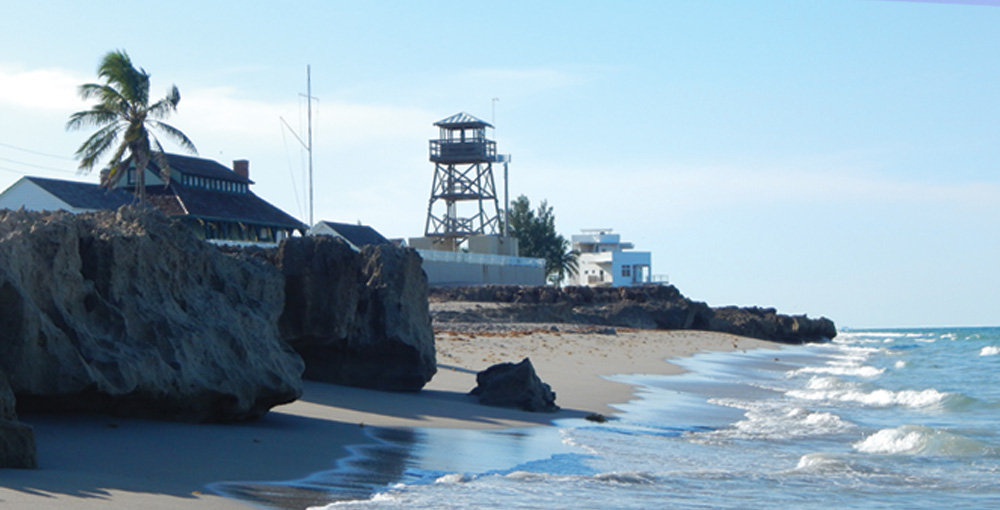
221	112
45	89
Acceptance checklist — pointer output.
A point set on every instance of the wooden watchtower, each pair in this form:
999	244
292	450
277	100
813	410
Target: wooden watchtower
463	182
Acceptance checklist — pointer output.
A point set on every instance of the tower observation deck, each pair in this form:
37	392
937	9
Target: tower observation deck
463	200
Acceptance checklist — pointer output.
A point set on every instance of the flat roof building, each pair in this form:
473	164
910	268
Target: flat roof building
604	260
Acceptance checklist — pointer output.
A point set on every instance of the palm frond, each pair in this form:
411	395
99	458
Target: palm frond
97	116
106	94
176	135
116	168
97	145
116	68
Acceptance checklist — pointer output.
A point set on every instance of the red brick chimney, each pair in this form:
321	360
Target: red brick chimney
242	168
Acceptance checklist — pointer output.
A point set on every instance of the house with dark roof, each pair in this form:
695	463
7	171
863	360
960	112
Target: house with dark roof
213	199
39	194
357	236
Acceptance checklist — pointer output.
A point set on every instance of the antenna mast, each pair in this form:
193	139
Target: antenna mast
308	144
310	136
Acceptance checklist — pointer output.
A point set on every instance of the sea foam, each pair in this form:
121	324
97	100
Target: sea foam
779	421
919	440
864	371
824	462
875	398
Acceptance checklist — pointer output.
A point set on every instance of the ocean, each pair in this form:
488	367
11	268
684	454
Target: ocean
875	419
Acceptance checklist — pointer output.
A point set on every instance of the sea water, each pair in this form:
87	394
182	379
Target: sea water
874	419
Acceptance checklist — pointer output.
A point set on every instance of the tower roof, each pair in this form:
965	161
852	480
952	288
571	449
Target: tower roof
462	120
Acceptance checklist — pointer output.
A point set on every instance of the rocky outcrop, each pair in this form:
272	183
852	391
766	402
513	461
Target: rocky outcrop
359	319
17	440
645	307
768	324
128	313
514	385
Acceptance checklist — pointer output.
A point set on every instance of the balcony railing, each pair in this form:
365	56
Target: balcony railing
458	151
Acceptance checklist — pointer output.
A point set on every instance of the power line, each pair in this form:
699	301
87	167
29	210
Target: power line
41	167
37	153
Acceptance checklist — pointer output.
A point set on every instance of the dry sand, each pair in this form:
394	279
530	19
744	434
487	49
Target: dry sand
101	462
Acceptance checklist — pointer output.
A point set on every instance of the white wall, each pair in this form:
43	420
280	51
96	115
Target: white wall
611	263
33	198
455	268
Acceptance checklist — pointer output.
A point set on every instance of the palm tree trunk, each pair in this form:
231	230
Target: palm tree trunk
141	159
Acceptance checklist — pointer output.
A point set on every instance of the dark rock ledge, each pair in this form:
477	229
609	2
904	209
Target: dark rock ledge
645	307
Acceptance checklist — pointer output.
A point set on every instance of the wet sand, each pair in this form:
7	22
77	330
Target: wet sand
104	462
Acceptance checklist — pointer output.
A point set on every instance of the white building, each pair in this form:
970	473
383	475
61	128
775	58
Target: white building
41	194
605	260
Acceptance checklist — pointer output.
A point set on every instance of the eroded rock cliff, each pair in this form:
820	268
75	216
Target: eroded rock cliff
128	313
359	319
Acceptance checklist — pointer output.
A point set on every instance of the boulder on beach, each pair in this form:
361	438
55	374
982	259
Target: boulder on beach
357	318
514	385
17	440
128	313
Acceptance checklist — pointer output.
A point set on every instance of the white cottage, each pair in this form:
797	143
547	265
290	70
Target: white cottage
605	260
41	194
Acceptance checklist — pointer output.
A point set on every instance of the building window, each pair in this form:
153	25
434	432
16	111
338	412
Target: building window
627	271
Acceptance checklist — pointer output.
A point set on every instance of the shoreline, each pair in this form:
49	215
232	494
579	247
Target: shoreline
93	461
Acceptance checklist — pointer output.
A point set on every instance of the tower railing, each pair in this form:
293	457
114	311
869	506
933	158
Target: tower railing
463	151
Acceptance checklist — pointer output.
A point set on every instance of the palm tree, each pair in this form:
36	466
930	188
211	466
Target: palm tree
124	118
561	261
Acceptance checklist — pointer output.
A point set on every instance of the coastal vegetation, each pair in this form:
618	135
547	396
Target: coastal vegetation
536	237
125	119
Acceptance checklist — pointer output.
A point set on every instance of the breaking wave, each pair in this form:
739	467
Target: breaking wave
920	440
990	350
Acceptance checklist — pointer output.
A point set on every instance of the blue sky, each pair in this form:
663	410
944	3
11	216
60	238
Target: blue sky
827	157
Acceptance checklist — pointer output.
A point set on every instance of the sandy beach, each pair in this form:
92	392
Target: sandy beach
101	462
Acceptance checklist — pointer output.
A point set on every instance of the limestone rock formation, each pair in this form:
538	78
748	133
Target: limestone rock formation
128	313
359	319
17	440
514	385
644	307
769	324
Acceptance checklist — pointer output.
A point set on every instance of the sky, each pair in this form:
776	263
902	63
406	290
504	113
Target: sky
833	158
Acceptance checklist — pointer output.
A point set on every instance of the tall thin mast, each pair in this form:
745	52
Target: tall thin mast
310	136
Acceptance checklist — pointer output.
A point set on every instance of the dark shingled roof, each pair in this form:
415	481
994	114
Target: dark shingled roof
218	205
200	167
83	195
358	235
